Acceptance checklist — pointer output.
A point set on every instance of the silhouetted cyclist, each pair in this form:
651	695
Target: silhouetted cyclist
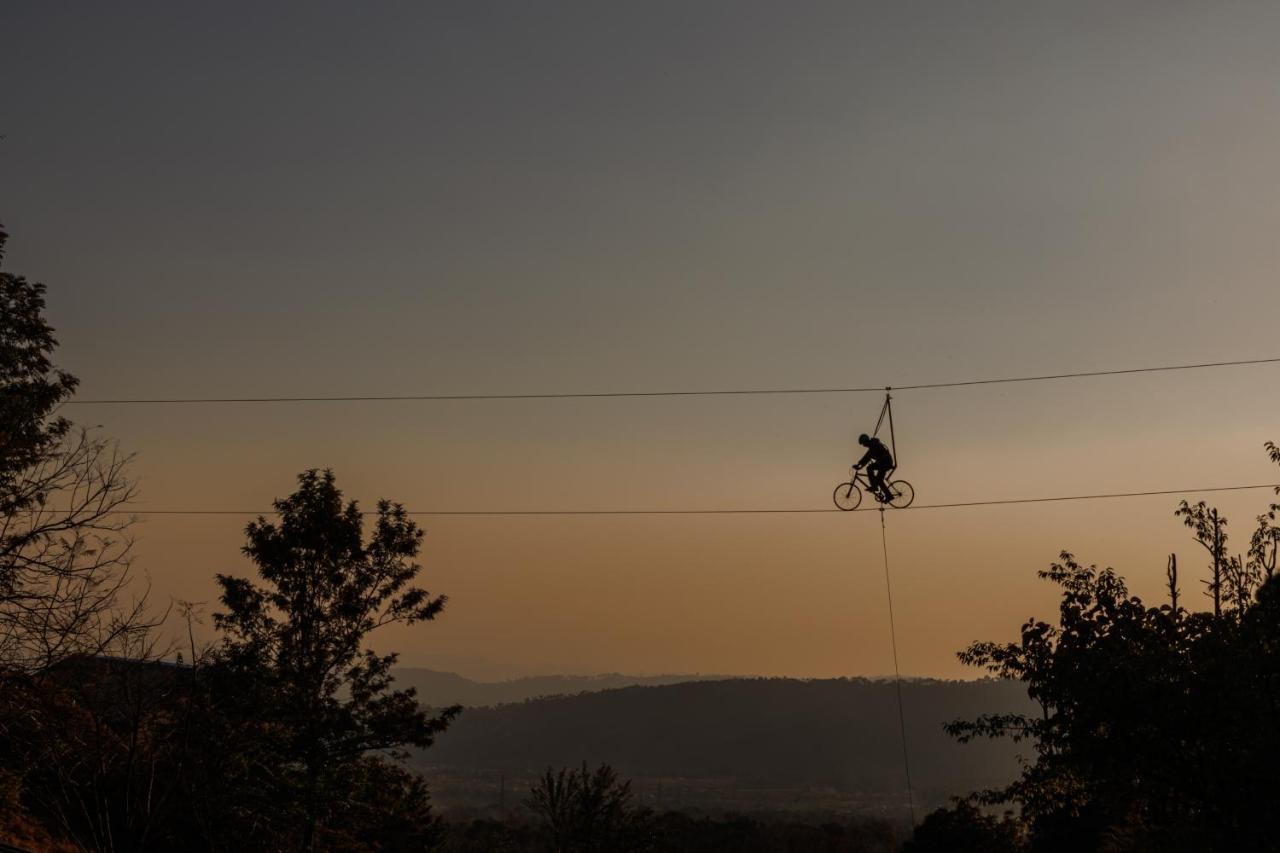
879	461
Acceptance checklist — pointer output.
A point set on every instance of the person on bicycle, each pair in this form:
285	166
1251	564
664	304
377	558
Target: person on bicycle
879	462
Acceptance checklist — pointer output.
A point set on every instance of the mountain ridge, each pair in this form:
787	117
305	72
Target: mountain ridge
787	737
440	688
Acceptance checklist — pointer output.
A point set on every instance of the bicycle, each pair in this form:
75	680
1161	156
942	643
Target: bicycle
848	496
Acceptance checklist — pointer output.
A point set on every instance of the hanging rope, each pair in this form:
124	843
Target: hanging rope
887	411
897	675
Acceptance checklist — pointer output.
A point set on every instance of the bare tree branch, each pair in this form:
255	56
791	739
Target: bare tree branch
66	557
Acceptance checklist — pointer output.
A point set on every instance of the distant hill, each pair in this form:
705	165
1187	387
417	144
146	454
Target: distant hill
446	688
784	736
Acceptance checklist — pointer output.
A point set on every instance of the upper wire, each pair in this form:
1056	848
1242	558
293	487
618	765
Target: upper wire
702	393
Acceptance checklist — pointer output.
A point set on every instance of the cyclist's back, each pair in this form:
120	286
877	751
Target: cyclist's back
877	455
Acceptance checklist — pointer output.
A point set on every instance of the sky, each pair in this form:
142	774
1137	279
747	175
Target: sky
321	198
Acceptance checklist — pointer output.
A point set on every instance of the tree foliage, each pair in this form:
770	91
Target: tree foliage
964	829
31	388
1158	727
296	643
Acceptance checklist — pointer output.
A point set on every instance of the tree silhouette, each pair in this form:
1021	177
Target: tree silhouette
1210	532
64	549
295	642
64	574
1158	727
588	811
964	829
1264	545
31	388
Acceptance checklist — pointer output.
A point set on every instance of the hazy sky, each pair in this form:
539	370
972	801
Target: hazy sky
398	198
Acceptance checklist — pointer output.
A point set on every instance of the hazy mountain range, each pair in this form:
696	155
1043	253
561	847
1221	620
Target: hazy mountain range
744	743
447	688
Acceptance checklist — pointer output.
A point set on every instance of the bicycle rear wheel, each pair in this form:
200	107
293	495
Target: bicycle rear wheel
901	494
847	496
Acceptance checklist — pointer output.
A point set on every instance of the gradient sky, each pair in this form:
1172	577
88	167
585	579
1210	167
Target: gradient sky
397	198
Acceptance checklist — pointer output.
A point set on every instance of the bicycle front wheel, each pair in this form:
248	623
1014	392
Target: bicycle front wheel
847	496
901	494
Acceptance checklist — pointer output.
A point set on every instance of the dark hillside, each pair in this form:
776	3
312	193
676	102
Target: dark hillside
840	734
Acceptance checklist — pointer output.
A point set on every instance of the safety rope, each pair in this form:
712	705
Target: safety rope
893	439
897	675
887	411
883	411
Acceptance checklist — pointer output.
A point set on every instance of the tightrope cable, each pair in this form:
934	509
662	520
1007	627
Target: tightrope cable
897	675
726	511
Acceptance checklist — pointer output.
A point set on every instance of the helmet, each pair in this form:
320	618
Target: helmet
864	439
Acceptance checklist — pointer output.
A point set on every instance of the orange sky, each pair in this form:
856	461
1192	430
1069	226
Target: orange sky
794	595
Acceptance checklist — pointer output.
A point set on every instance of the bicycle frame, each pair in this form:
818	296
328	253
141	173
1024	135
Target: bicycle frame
861	479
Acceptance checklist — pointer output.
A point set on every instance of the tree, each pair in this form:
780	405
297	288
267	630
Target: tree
1264	545
1210	532
964	829
1158	727
588	811
64	563
296	645
31	388
64	544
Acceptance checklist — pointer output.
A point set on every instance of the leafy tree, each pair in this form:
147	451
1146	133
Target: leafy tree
31	388
1264	545
964	829
588	811
1158	727
387	809
295	644
1210	532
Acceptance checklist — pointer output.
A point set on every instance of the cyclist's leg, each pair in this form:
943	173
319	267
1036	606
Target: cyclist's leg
875	476
884	482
